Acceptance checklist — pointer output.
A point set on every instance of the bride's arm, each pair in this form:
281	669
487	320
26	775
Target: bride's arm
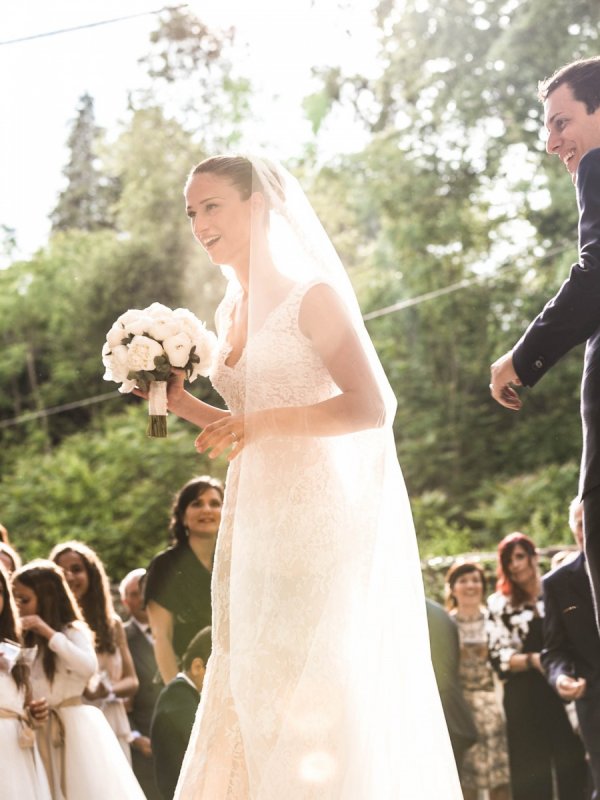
324	320
188	407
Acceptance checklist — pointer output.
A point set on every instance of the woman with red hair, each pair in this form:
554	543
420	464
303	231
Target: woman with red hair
540	736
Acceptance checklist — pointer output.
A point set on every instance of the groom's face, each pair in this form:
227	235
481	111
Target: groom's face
571	130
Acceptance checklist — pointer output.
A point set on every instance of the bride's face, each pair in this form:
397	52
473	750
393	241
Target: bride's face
219	217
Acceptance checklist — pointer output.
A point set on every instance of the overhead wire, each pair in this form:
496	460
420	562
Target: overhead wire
401	305
85	25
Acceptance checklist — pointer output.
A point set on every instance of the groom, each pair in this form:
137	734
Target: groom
571	100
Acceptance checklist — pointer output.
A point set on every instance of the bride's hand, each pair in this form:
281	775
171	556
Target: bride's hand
218	436
175	389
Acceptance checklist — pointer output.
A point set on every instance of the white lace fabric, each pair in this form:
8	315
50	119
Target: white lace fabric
320	685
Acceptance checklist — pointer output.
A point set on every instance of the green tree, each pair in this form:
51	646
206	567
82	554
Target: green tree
109	486
86	201
193	76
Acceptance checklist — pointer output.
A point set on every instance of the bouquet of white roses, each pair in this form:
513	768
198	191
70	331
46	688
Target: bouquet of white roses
144	344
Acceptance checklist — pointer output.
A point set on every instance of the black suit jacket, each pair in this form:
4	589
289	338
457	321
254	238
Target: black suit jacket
445	656
573	317
170	732
146	696
571	640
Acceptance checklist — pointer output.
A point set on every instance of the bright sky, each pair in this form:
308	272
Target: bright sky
278	42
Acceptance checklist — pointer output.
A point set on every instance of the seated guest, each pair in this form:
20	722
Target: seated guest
571	654
142	704
175	712
445	656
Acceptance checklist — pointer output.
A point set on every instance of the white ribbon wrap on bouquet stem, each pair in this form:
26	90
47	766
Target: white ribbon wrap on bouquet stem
157	399
157	409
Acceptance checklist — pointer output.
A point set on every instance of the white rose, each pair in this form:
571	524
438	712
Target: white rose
141	353
127	386
116	335
162	328
120	365
115	361
158	310
138	326
205	348
188	322
129	316
107	360
178	349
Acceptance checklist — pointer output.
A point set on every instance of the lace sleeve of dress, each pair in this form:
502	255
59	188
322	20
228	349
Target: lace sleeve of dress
500	640
75	648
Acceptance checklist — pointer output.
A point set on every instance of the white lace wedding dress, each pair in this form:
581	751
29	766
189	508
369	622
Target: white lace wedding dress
306	696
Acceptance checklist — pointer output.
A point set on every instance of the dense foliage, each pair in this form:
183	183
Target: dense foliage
451	192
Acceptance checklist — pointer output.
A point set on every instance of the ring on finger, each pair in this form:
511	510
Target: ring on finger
234	436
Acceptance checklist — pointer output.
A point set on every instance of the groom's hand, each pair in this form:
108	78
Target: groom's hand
503	378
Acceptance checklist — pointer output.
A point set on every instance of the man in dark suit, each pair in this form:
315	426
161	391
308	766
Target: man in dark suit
571	654
139	639
572	116
445	656
175	712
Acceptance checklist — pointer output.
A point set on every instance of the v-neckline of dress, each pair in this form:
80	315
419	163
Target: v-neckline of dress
229	347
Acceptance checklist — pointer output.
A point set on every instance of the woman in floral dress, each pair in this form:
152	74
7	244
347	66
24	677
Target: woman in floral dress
540	737
485	765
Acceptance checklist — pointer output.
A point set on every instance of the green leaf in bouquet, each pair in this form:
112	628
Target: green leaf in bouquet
140	379
162	368
193	359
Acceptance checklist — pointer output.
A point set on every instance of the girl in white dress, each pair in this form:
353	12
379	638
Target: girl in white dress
82	755
320	684
22	773
116	679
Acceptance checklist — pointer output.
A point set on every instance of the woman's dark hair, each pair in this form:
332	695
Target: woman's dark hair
583	76
242	174
187	494
56	605
96	604
10	627
12	554
458	569
505	583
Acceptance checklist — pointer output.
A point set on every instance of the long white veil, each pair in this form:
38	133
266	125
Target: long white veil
329	666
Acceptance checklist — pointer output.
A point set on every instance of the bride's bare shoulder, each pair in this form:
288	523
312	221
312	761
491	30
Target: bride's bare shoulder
321	306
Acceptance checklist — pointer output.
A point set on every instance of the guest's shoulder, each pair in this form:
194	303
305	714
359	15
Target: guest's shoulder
496	603
561	573
177	690
164	561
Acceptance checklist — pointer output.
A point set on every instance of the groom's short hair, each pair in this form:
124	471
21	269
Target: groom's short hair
583	76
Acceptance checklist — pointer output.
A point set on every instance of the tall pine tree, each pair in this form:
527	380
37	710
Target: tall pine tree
86	201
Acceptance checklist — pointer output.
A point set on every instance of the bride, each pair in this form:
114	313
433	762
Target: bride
320	683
